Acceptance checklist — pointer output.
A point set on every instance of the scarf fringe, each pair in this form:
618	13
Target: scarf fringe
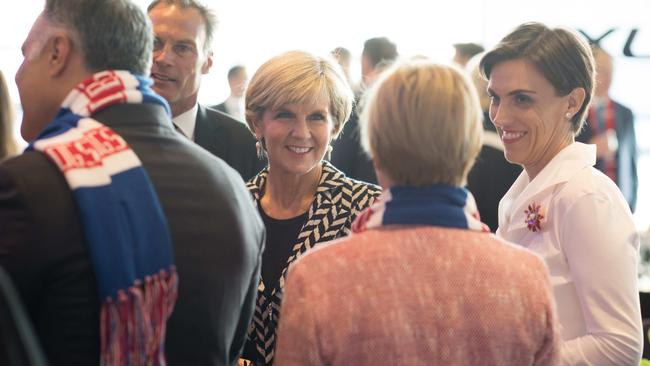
133	328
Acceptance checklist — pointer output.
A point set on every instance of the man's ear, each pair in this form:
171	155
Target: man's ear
59	48
207	64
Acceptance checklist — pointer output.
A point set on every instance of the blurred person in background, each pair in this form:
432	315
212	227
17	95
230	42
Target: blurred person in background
541	82
296	104
343	56
421	281
378	53
465	52
610	126
234	104
7	143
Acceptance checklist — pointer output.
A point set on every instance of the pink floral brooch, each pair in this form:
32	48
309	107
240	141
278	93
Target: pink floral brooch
534	217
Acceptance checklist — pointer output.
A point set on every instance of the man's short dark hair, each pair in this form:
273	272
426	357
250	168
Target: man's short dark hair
380	50
209	18
468	50
341	54
235	70
111	34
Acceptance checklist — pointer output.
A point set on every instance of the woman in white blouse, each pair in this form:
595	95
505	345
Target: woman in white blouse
541	82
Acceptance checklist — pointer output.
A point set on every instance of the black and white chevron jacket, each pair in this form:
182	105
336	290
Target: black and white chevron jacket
338	201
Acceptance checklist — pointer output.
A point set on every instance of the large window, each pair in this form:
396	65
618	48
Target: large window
252	31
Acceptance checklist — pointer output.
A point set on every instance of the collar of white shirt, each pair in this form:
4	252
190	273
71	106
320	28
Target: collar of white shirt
568	162
186	121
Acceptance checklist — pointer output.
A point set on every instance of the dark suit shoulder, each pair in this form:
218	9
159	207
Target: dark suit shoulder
228	139
220	107
622	108
224	120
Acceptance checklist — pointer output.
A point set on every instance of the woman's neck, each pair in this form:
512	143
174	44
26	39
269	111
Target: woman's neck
534	169
287	196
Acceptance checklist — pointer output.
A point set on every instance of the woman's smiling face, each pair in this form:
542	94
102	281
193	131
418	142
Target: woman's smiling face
296	136
530	117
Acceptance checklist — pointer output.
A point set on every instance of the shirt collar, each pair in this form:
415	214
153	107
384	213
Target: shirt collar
186	121
568	162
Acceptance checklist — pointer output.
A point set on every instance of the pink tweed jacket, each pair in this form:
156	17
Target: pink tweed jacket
406	295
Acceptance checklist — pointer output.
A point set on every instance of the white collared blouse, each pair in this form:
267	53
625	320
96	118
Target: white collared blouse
590	245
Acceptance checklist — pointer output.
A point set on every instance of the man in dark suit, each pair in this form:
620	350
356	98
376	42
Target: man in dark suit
234	105
182	54
610	126
347	154
216	235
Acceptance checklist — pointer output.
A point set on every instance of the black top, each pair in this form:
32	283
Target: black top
281	236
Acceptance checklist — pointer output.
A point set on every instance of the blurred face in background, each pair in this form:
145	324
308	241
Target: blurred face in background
180	57
238	84
604	71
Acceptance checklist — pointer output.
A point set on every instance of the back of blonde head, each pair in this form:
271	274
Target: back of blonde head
422	124
299	77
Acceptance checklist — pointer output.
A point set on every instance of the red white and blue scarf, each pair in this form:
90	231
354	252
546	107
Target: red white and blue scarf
123	222
437	205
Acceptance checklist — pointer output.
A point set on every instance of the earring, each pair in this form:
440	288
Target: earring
568	115
260	146
328	153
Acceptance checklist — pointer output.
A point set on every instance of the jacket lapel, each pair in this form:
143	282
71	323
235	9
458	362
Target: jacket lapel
208	134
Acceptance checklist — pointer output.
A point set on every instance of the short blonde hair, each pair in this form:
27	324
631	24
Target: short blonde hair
299	77
422	124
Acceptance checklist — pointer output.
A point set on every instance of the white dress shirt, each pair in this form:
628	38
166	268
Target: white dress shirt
590	245
186	121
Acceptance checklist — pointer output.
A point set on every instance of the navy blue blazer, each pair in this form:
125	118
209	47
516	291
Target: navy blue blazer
626	155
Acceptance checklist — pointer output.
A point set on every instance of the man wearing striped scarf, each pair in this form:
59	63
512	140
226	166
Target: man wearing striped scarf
119	233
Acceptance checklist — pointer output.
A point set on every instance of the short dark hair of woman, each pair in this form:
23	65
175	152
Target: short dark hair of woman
560	54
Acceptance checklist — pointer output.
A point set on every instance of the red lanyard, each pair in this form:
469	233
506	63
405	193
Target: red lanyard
610	118
609	168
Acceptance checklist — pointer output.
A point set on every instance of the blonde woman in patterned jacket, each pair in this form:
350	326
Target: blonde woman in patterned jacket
421	281
296	104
